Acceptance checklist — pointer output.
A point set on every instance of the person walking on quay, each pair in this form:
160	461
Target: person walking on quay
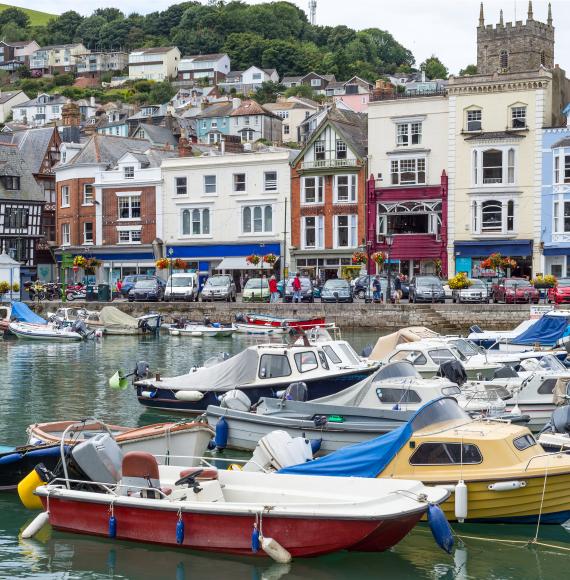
397	288
297	288
377	286
273	289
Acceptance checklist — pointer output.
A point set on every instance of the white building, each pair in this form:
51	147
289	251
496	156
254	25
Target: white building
248	81
154	64
218	209
9	100
204	67
292	111
40	111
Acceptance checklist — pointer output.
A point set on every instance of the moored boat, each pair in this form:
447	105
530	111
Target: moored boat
196	329
116	322
277	322
51	332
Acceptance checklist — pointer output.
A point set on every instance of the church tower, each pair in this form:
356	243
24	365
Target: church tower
515	47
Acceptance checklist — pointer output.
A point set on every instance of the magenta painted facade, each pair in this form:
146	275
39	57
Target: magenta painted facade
416	217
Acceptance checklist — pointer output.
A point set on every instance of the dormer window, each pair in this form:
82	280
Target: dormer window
11	182
129	172
518	117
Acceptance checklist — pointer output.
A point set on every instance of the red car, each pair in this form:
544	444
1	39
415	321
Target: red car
513	290
560	294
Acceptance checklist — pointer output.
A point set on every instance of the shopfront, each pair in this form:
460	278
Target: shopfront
469	257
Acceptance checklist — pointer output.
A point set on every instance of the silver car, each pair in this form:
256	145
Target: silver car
477	292
220	287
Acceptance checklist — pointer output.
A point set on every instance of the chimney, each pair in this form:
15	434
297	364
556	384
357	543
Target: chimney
70	114
236	103
223	146
92	101
184	147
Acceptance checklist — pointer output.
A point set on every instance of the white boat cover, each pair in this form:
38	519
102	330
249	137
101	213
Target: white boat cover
232	373
385	345
115	318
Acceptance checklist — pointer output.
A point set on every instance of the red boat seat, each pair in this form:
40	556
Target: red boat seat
140	470
208	473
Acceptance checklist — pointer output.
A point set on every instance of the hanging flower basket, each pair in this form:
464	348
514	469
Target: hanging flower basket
253	259
378	258
497	262
80	261
162	264
179	264
359	258
4	287
459	281
270	259
547	281
91	264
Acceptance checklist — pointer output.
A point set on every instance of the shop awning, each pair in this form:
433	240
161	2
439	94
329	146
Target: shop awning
478	249
557	251
240	263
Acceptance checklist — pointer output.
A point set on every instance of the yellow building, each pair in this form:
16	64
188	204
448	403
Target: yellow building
495	127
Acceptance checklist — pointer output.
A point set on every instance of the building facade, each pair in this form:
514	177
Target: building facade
248	81
292	111
9	100
221	208
56	58
328	190
154	64
204	68
40	111
407	189
94	64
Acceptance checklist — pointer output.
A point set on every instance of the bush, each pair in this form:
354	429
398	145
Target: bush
64	80
15	287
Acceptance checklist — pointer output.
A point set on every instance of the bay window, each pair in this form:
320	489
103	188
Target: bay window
312	230
345	188
493	216
409	217
494	166
257	219
313	189
196	222
562	169
561	217
408	171
345	231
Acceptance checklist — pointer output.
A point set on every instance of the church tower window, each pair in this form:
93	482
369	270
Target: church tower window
504	59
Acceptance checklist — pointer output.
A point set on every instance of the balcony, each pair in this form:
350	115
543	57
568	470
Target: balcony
391	96
329	164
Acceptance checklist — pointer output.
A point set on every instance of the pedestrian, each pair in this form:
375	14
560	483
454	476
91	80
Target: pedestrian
377	286
119	285
297	288
397	288
273	289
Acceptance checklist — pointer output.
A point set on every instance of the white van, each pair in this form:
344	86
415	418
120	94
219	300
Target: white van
182	286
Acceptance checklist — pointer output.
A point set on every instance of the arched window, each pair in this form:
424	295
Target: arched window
510	215
475	168
196	222
205	221
246	219
504	59
511	165
257	219
186	222
268	225
491	216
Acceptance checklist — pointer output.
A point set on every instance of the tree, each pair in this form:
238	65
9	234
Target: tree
434	68
470	69
11	32
15	15
63	28
268	92
304	91
89	31
244	49
161	93
109	14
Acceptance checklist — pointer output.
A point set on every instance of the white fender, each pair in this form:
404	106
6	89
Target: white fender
36	525
507	485
174	332
192	396
275	550
461	501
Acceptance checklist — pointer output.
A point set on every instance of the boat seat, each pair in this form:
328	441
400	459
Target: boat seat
208	473
140	470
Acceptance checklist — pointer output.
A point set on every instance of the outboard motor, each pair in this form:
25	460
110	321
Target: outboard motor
240	318
142	370
560	420
207	321
297	391
367	351
454	371
80	327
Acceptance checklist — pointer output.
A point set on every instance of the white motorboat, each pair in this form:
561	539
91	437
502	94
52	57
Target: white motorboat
116	322
555	436
258	330
195	329
49	331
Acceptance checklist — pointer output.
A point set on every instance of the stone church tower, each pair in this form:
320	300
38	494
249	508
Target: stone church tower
515	47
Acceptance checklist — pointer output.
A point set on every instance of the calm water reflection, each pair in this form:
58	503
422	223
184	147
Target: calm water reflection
43	382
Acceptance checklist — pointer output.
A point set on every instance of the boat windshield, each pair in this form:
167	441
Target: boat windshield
439	411
397	370
551	363
465	347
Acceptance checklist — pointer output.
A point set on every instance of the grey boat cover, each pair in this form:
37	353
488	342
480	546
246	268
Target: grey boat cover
239	370
358	395
115	318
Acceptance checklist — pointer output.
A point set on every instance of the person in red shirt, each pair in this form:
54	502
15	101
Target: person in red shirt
273	289
297	288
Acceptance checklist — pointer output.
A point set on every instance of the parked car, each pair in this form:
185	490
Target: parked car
256	290
513	290
306	290
336	291
361	291
560	294
182	286
426	289
220	287
478	291
129	282
146	290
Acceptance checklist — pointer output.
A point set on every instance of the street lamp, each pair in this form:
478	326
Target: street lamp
389	239
170	254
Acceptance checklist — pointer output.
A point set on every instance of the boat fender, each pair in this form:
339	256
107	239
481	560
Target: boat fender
211	444
26	487
316	445
440	528
192	396
36	525
179	531
506	485
175	332
222	434
461	501
10	458
275	550
148	394
255	539
112	526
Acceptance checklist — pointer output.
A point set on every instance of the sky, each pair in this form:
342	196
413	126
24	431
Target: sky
446	28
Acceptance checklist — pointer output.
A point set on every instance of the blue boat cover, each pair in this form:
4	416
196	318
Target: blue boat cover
546	331
22	313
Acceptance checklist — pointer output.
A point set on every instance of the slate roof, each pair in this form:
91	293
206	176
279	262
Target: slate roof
107	149
285	80
202	57
142	114
12	163
153	50
54	46
250	107
216	110
157	135
5	97
53	100
33	144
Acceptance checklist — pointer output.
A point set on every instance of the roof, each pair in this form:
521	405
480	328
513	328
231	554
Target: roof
154	50
223	109
291	80
288	105
54	46
53	100
562	143
5	97
12	163
19	43
33	144
157	135
234	73
143	114
249	107
204	57
494	136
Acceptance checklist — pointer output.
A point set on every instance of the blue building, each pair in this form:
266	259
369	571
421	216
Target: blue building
555	218
213	122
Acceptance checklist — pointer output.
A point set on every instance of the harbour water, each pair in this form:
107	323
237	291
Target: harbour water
44	382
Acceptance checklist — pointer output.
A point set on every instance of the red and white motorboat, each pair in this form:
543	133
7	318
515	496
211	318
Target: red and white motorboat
276	322
232	511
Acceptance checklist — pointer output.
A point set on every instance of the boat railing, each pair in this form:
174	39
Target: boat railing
207	461
540	455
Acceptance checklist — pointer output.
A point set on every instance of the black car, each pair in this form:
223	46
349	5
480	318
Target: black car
336	291
130	281
306	290
426	289
146	290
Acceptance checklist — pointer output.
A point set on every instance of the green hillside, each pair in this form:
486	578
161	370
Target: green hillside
37	18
